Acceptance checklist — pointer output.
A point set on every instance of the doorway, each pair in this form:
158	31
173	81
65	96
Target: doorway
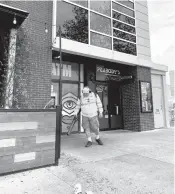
158	108
115	106
110	95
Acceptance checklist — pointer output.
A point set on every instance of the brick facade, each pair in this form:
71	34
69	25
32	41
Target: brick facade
34	54
134	119
28	140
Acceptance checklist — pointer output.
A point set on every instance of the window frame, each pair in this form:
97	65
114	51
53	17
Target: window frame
111	35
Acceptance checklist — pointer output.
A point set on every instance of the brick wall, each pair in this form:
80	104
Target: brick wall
146	119
34	54
27	141
131	103
132	116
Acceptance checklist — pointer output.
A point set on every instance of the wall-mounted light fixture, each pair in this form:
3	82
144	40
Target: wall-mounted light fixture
46	30
14	20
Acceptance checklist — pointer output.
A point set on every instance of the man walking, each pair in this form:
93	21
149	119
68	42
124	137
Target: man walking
91	108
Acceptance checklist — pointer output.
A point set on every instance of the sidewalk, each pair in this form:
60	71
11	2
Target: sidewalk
128	163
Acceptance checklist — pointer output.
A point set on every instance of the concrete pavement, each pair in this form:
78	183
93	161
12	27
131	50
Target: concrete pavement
128	163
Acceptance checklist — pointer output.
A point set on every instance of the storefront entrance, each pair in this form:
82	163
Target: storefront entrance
110	95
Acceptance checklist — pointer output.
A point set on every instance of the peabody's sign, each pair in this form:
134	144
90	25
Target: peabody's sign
103	74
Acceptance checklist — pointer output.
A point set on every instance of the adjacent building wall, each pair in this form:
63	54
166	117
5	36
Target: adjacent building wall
142	30
33	54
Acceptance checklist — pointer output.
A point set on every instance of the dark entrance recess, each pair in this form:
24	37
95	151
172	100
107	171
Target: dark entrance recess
115	105
109	88
110	95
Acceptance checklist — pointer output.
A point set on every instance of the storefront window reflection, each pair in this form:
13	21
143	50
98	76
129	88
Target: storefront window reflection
73	21
101	41
103	7
124	27
123	18
123	9
125	47
126	3
124	35
100	23
80	2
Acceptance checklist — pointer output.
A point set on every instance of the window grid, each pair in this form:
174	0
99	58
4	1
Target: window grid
122	5
109	17
123	14
124	40
101	33
123	31
125	8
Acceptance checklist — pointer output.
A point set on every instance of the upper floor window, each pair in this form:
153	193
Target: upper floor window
107	24
103	7
126	3
73	21
123	9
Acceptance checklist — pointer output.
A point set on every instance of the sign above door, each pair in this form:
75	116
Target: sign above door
109	74
103	73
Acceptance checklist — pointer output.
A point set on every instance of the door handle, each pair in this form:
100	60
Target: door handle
116	110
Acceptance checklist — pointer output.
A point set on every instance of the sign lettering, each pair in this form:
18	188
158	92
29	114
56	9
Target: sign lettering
104	74
108	71
67	70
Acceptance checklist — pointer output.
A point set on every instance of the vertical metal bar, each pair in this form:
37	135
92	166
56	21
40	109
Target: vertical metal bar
60	88
57	136
60	92
79	92
89	33
112	26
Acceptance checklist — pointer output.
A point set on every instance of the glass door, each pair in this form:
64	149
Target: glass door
115	106
102	91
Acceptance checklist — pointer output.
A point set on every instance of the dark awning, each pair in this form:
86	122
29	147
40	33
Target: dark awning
7	14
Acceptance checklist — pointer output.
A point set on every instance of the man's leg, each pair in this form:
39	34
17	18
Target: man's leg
86	126
95	127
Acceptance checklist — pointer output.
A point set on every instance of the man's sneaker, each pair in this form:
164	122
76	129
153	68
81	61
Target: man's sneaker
99	141
89	143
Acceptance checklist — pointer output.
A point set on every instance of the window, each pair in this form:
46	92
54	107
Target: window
100	23
83	3
122	9
123	18
126	3
101	41
103	7
70	71
73	21
124	27
124	35
125	47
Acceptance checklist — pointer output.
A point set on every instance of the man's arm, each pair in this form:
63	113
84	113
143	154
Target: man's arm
99	105
77	108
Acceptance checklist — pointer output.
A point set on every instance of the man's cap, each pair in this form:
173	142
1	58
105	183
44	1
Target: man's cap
85	90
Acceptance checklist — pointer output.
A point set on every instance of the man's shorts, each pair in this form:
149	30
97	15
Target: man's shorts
90	122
